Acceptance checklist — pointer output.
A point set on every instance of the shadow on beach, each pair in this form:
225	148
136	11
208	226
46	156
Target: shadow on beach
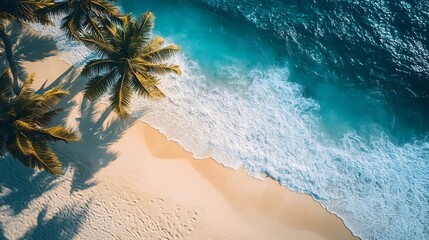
98	130
85	158
20	186
63	225
28	46
2	236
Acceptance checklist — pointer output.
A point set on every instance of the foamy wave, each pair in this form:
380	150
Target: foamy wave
72	52
270	129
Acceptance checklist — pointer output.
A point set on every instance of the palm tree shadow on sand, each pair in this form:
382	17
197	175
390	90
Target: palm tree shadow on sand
22	185
63	225
19	186
93	149
24	40
98	131
2	236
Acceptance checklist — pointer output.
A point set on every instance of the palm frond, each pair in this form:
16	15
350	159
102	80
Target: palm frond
60	133
155	43
52	97
97	66
161	54
84	17
139	88
126	20
25	10
58	8
102	8
44	158
145	85
155	92
45	118
97	45
109	27
152	92
144	77
42	19
26	88
25	126
71	25
93	26
22	145
146	25
6	90
162	69
99	84
35	154
120	99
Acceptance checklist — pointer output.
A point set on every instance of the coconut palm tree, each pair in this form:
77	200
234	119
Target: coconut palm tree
21	11
24	123
130	61
83	16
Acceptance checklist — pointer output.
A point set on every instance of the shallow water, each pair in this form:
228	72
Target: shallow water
327	97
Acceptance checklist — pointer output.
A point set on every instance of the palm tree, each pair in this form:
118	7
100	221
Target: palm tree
23	124
83	16
130	61
21	11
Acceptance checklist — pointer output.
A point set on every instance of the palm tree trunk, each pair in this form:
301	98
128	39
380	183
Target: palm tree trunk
10	60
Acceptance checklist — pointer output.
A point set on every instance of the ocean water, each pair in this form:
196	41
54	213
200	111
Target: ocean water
327	97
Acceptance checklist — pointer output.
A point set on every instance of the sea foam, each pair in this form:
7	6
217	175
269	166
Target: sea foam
72	52
378	188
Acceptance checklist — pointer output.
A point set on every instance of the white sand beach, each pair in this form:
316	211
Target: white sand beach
125	180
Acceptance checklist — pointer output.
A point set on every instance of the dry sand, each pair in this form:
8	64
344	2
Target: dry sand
125	180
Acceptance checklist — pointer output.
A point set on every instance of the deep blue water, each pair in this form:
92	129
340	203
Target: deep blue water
327	97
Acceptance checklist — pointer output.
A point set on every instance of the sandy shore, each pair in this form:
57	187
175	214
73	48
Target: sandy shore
125	180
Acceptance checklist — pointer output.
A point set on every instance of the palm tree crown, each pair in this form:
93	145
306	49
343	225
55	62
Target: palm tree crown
131	61
83	16
23	124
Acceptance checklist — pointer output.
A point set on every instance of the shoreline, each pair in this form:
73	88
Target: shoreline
243	171
220	202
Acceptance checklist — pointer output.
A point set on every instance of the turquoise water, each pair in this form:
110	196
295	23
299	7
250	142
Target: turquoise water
328	99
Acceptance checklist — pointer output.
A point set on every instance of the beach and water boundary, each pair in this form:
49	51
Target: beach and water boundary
414	154
150	189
